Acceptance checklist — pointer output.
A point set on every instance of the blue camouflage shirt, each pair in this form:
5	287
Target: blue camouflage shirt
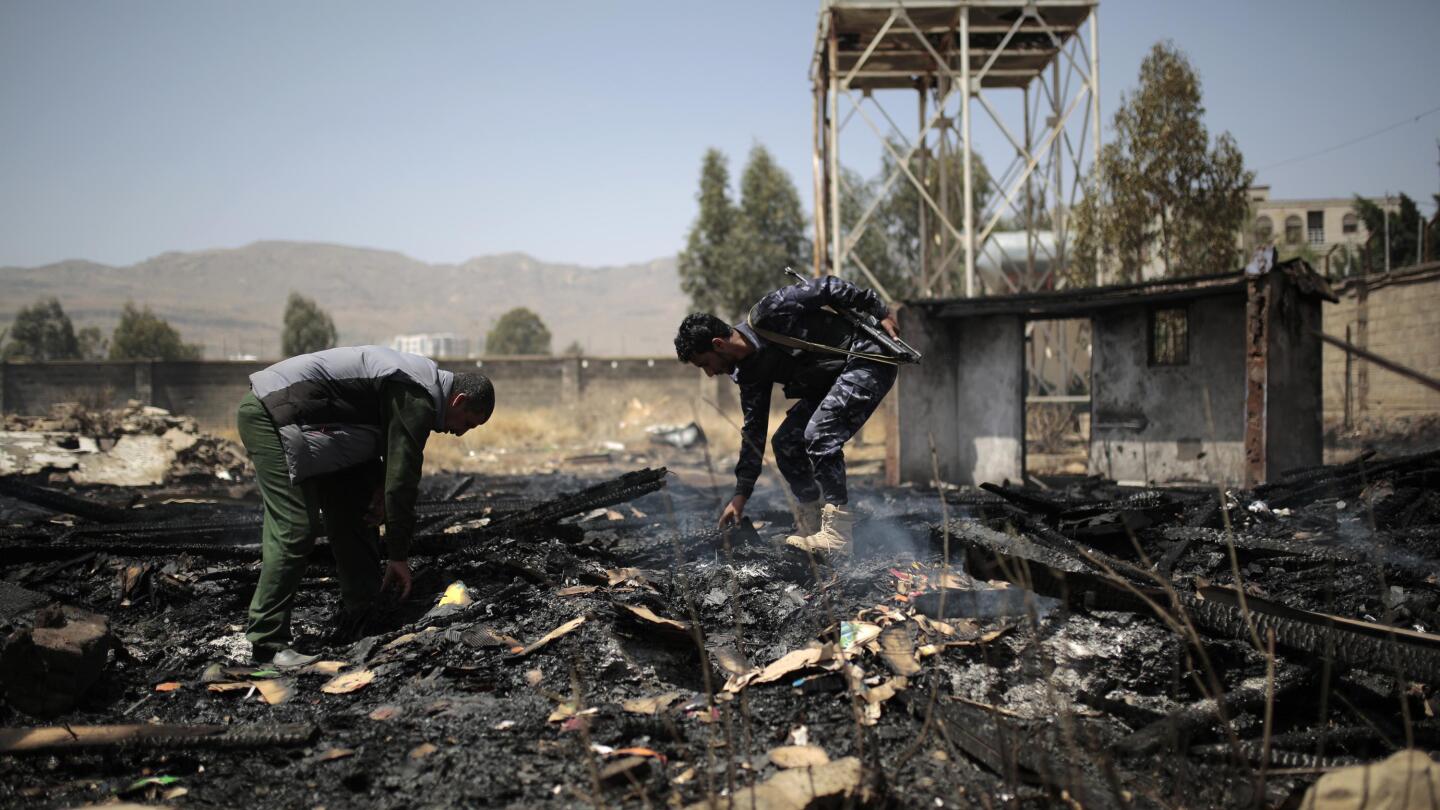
794	311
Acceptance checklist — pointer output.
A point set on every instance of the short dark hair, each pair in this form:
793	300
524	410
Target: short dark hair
479	393
696	332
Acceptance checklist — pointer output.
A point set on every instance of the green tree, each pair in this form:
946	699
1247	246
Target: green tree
769	236
143	335
1163	192
735	254
92	343
518	331
898	216
308	328
574	349
41	332
1405	224
884	260
707	264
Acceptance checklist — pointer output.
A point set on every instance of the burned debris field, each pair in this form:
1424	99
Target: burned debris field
592	641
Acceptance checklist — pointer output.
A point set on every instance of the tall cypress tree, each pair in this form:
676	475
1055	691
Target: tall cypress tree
770	234
708	258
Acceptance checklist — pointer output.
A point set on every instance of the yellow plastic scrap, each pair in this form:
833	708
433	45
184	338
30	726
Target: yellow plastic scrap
457	594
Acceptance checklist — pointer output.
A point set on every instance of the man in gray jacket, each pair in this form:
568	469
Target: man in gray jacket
342	433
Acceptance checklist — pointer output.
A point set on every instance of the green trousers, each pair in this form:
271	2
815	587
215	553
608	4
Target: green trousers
293	520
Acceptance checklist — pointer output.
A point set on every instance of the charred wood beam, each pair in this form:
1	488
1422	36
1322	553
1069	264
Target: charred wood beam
1420	469
1312	549
627	487
459	489
1216	610
1022	753
1376	647
1256	753
1185	722
60	502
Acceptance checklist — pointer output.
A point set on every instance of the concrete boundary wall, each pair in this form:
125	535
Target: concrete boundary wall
210	390
1396	316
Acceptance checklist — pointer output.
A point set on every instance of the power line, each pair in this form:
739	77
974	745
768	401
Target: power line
1356	140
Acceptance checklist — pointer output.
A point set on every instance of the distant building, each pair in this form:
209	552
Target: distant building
432	344
1293	225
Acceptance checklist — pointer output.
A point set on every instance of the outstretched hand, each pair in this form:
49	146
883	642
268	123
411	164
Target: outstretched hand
733	512
397	574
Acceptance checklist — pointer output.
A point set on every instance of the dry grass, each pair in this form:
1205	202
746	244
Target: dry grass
542	438
534	439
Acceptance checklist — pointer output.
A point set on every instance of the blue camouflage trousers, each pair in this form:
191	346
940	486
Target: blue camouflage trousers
810	443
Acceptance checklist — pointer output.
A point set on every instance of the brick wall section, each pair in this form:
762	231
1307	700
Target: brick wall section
1404	326
32	388
210	390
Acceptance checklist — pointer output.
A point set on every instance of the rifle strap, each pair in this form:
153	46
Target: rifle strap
797	343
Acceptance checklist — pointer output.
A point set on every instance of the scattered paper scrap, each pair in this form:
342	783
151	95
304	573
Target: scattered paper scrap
670	627
857	634
386	712
637	751
567	711
486	637
274	691
654	704
791	662
798	756
1406	778
168	686
577	590
886	690
332	754
423	750
625	769
731	660
230	686
797	789
325	667
897	648
549	637
631	577
348	682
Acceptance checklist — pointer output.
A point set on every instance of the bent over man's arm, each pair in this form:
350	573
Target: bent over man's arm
407	420
755	405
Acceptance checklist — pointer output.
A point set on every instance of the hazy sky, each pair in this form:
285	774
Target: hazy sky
572	131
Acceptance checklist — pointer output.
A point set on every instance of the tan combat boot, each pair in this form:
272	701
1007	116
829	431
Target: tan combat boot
837	531
807	517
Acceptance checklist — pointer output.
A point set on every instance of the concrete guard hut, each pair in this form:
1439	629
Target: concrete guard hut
1203	379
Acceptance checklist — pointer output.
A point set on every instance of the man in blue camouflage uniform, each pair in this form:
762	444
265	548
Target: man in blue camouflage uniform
788	338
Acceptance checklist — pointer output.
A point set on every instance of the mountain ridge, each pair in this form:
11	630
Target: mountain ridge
231	300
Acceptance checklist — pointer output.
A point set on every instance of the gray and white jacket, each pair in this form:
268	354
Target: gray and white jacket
327	405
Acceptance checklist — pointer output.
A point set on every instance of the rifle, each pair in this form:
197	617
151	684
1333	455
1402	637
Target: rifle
899	350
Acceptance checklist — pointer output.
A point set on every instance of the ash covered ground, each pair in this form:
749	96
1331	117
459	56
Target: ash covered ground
1019	646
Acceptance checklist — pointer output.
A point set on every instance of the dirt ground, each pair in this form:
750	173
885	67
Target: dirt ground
690	665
